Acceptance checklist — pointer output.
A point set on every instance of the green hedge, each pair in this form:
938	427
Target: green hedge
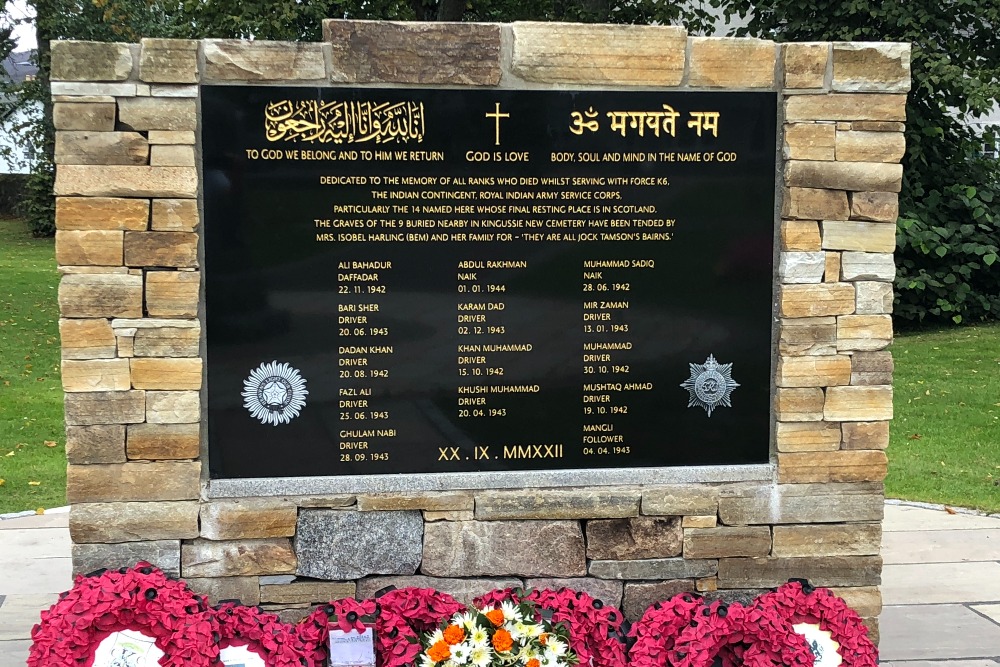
13	190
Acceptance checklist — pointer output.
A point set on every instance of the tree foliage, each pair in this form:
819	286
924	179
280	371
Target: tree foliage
949	226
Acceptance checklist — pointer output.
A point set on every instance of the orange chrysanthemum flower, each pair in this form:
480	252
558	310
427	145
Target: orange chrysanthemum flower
495	616
502	641
454	634
543	639
533	663
439	651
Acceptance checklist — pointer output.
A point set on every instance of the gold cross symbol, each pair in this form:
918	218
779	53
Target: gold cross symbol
497	115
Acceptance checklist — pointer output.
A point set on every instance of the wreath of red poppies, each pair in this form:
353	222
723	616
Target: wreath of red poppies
264	634
798	602
654	635
141	598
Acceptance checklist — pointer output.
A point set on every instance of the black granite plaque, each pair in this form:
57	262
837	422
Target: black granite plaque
422	281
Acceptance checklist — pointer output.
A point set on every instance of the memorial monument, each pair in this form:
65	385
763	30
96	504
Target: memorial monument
469	306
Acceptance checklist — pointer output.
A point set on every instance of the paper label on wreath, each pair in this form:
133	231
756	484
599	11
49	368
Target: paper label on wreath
352	649
128	648
240	656
825	651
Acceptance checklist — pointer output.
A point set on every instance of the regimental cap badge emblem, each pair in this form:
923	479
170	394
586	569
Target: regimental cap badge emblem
710	385
274	393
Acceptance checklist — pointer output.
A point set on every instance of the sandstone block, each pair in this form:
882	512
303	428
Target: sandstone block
816	204
583	53
725	541
171	137
168	61
435	501
157	113
864	332
332	544
204	558
162	480
640	596
248	518
653	568
403	52
463	590
238	60
171	155
83	99
707	584
449	515
95	444
153	373
105	407
801	267
842	466
873	237
810	141
164	554
859	176
808	335
866	435
878	126
91	117
854	539
167	342
475	548
173	293
846	107
800	235
86	213
77	89
817	300
727	62
635	538
608	591
820	571
95	375
871	368
875	206
857	146
86	339
809	371
173	407
244	589
744	596
874	298
802	503
100	295
807	437
324	502
868	266
133	521
126	345
90	61
168	90
699	522
866	600
101	148
126	181
681	500
593	503
170	249
805	64
799	405
831	273
871	66
89	248
163	441
307	592
175	215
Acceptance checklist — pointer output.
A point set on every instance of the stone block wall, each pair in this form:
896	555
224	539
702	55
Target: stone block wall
128	223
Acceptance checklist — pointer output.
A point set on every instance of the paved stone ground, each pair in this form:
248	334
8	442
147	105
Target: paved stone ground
940	585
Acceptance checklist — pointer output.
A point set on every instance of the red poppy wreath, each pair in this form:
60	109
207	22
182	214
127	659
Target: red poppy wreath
122	615
253	638
655	633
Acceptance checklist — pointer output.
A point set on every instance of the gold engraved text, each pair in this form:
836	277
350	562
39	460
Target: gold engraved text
344	121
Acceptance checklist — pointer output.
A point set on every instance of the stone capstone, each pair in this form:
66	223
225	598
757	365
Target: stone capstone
336	545
239	60
90	61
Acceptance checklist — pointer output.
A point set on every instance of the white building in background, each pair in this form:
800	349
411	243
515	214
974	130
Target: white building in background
19	67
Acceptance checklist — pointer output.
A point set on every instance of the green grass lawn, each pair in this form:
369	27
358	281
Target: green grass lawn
32	440
945	439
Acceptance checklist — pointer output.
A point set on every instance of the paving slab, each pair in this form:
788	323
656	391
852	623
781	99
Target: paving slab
39	575
53	518
14	652
937	583
19	613
990	610
905	517
929	631
941	546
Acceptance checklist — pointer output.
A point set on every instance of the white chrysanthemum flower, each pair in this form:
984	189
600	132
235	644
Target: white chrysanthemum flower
426	660
480	655
557	647
546	659
436	636
460	653
510	611
535	630
519	630
467	620
448	663
478	636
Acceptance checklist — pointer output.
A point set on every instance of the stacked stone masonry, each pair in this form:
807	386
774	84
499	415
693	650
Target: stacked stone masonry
128	221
